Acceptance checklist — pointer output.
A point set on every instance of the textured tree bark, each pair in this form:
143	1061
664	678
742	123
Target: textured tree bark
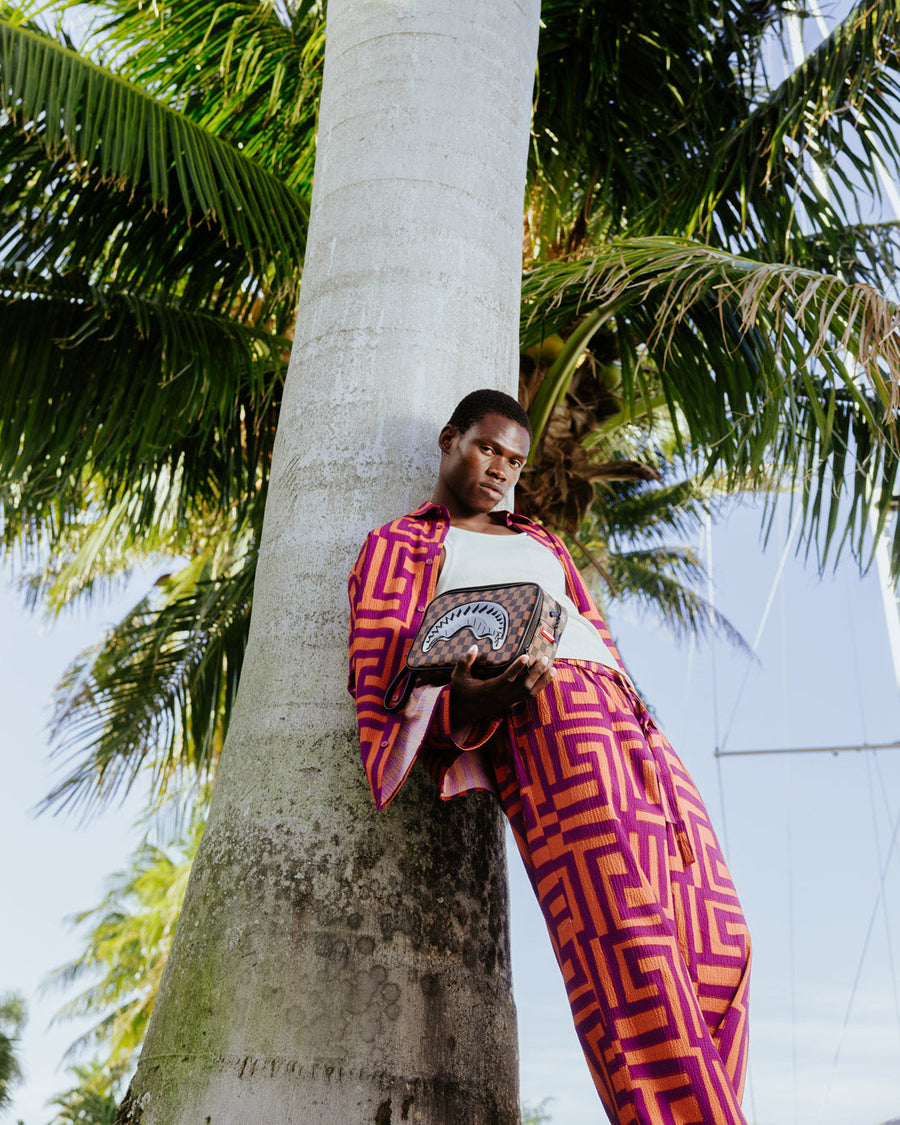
334	965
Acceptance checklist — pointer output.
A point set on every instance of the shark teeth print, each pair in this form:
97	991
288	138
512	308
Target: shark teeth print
484	619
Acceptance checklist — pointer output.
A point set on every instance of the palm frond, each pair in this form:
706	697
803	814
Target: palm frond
158	692
849	85
129	934
805	158
858	252
659	580
156	401
626	538
237	69
101	548
632	511
92	1101
630	97
53	221
116	133
770	369
12	1022
768	323
656	118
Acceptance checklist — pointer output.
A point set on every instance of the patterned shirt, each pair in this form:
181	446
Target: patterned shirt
390	587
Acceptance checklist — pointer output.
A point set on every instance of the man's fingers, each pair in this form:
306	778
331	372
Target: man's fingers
541	675
517	669
465	662
544	681
520	678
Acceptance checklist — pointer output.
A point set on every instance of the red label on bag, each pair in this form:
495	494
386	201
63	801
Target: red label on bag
548	636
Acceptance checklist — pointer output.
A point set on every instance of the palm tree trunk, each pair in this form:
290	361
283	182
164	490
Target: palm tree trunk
334	965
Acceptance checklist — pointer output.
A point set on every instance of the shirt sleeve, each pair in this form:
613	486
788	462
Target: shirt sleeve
355	586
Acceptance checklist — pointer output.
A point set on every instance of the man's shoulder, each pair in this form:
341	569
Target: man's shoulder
422	524
539	531
405	523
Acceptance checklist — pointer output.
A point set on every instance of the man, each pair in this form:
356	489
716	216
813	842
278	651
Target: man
625	864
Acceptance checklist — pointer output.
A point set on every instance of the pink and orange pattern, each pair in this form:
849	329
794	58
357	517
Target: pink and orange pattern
640	907
390	586
641	910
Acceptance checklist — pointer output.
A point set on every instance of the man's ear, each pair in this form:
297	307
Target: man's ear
445	438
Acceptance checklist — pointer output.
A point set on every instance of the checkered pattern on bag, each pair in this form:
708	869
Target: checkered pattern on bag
503	621
549	631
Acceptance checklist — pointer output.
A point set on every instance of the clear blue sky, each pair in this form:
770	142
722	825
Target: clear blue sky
806	837
52	867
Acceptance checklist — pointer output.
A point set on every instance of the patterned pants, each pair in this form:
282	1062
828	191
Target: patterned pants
642	913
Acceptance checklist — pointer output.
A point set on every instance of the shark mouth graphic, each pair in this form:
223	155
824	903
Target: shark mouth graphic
485	619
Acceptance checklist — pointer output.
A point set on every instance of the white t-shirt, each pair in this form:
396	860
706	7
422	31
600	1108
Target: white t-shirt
475	558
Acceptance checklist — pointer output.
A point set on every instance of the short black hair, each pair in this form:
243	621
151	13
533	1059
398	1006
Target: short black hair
477	404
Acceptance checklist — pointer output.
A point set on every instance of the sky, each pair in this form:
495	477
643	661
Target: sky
52	867
807	836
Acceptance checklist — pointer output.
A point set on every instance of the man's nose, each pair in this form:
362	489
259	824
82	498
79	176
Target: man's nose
497	468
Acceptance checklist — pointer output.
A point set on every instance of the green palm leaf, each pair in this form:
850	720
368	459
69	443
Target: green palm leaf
153	398
659	122
865	252
12	1022
626	512
626	539
54	221
119	134
833	117
658	580
159	690
91	1102
782	312
631	97
759	364
247	72
128	940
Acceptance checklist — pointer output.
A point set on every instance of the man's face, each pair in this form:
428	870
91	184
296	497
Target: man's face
479	466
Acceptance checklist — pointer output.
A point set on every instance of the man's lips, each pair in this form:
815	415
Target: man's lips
493	489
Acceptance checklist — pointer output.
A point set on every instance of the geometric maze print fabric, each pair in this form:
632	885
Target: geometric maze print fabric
390	585
641	910
642	913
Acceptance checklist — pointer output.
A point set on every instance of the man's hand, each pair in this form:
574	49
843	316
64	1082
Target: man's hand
473	700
